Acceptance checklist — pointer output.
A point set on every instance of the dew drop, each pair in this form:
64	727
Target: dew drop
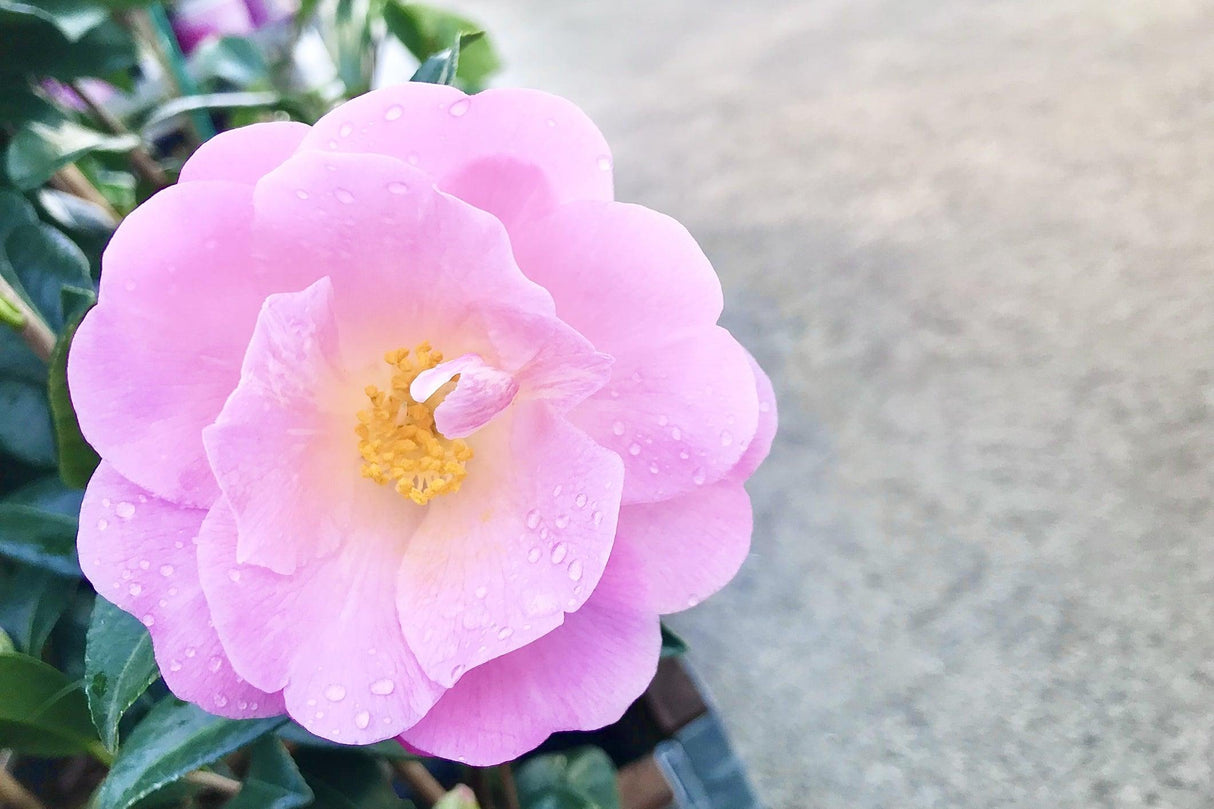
597	517
398	188
552	122
335	693
562	521
103	524
301	194
125	510
221	700
653	467
726	438
676	433
683	454
604	163
618	428
533	519
691	602
482	591
698	477
504	633
144	564
362	719
575	570
558	552
557	489
166	570
394	112
190	652
383	687
533	555
172	591
234	574
764	407
215	663
459	107
634	449
135	589
126	575
175	665
148	620
343	196
580	501
345	130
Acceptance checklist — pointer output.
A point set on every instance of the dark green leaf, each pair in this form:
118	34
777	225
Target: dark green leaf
426	31
273	780
77	458
672	644
88	224
48	494
577	779
15	210
439	68
31	601
40	538
72	17
30	46
26	431
351	780
42	713
40	262
6	643
174	739
38	150
118	667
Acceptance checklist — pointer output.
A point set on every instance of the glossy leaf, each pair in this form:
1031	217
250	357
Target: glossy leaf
439	68
42	713
577	779
426	31
118	667
273	780
41	261
77	458
38	150
40	538
173	740
26	430
31	602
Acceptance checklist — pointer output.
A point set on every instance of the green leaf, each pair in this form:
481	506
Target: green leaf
88	224
173	740
351	780
40	538
118	667
72	17
38	150
235	60
42	713
77	458
6	643
26	431
33	47
273	780
583	778
426	31
48	494
31	602
211	101
672	644
41	261
15	211
439	68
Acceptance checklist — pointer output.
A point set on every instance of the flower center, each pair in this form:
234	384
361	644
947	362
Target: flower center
397	438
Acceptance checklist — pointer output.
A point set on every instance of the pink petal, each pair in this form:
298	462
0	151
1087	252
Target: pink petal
328	635
480	394
160	350
244	155
765	434
138	551
496	565
626	277
679	414
514	153
277	452
407	263
678	552
581	676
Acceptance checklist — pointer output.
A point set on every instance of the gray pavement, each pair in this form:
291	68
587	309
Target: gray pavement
973	242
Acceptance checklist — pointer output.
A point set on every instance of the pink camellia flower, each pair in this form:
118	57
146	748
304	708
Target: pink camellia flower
408	429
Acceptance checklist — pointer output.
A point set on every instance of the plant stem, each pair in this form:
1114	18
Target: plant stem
11	792
215	781
33	329
141	162
72	180
153	27
419	779
509	788
482	785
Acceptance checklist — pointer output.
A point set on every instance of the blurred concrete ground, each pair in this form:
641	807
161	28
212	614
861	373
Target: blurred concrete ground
973	242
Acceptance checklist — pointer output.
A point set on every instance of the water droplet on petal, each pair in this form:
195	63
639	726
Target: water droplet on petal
597	517
343	196
691	602
166	570
562	521
345	130
215	663
726	438
605	163
135	589
190	652
335	693
394	112
103	524
533	555
580	501
148	620
301	194
482	591
618	428
634	449
653	467
125	510
557	489
676	433
459	107
234	574
175	665
698	477
383	687
683	454
362	719
575	570
558	552
533	519
504	633
221	700
144	564
398	188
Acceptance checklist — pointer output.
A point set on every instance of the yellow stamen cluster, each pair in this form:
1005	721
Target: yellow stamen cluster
397	438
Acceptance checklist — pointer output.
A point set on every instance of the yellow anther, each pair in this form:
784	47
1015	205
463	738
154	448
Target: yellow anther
397	438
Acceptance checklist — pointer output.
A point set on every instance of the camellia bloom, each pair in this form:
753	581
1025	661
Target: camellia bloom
408	429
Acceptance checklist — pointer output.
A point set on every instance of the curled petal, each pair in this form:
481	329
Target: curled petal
480	394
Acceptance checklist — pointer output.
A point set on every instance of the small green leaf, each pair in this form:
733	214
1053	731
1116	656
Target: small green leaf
77	458
42	713
672	644
40	538
439	68
173	740
351	780
425	31
31	602
118	667
583	778
38	150
273	780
